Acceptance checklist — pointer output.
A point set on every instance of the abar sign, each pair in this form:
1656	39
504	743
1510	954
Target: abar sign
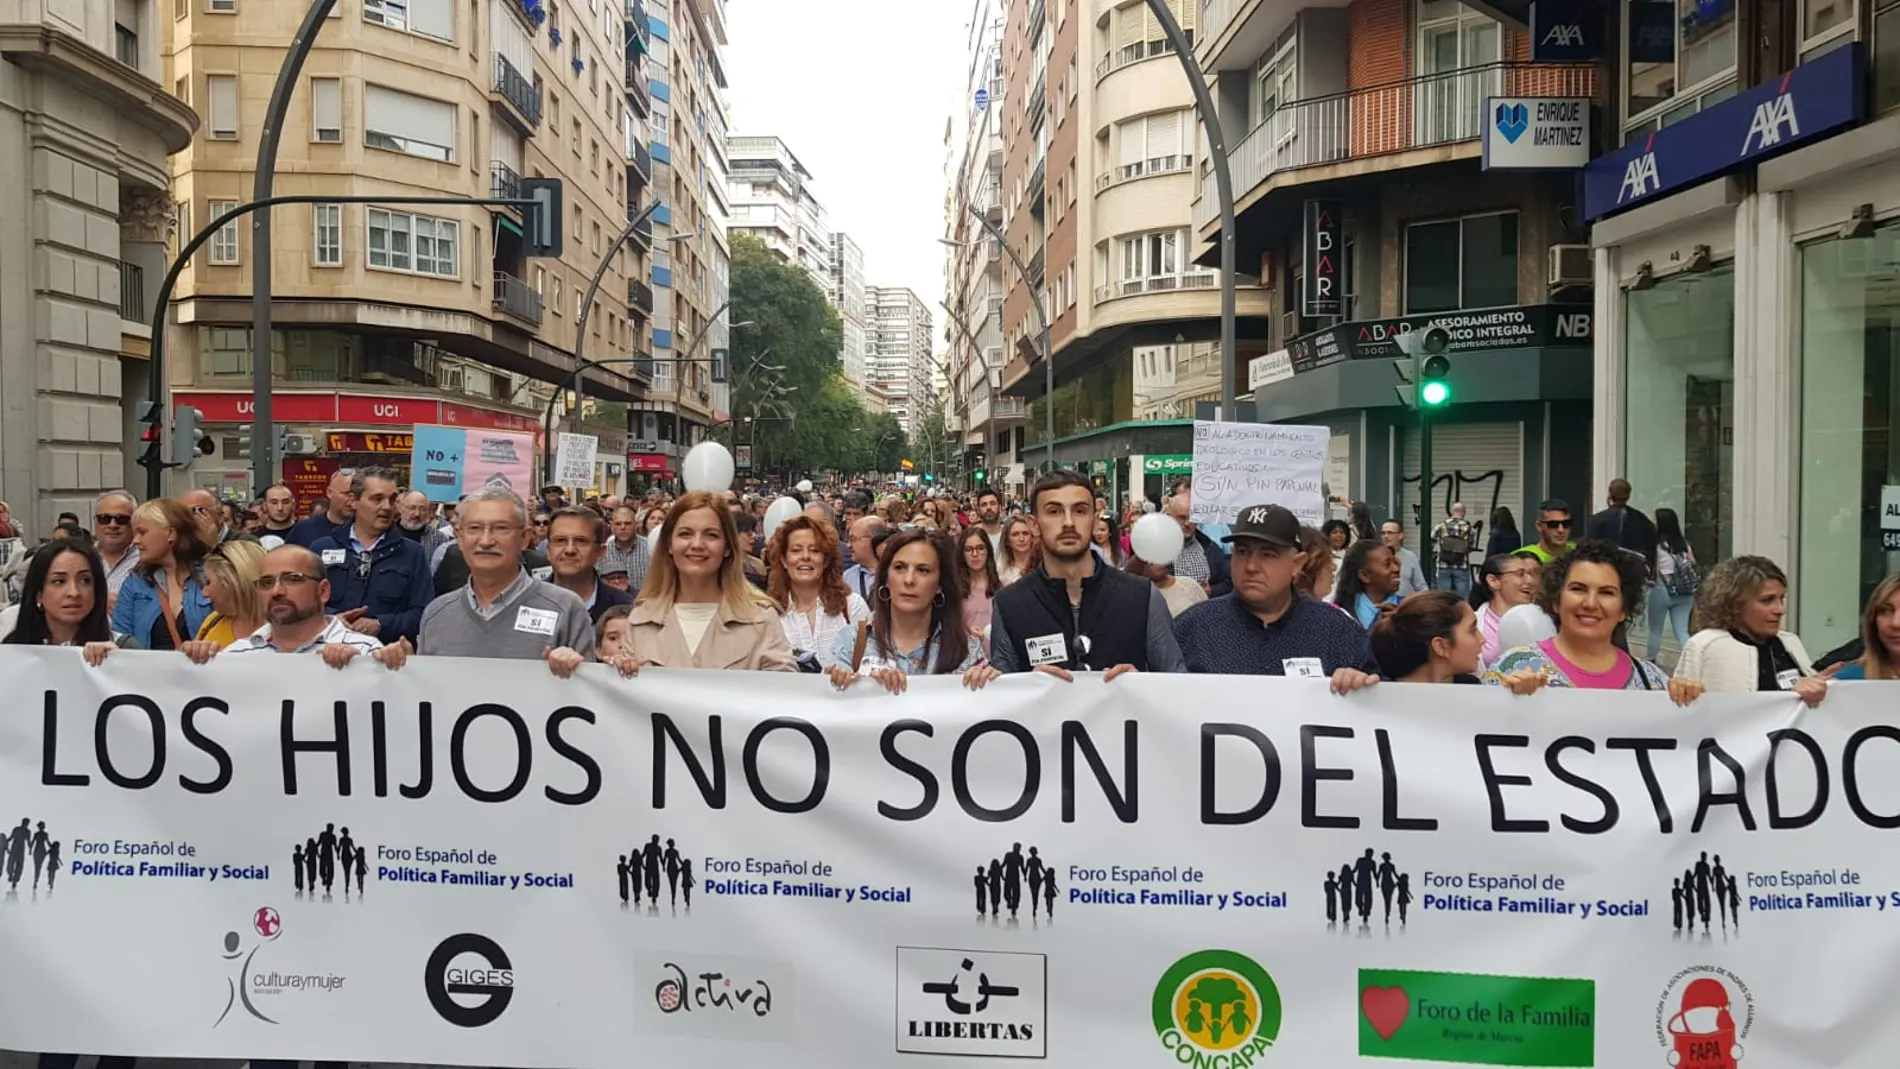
1536	133
1813	100
1322	287
1528	326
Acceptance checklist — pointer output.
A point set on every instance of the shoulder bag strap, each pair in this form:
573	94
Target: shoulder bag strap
165	610
857	648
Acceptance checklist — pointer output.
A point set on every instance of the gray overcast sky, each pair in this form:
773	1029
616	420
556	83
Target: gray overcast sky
860	91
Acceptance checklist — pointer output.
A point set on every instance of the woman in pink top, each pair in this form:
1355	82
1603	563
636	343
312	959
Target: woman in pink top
1506	581
1588	592
976	580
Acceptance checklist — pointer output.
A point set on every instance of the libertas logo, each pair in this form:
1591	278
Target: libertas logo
1216	1009
975	1003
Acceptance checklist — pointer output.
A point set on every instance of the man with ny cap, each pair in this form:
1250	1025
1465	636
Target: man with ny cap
1266	626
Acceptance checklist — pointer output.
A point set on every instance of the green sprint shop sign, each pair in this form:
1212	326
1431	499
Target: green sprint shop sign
1216	1009
1168	464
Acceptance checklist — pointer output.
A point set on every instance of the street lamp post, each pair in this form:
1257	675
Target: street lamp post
989	430
1223	189
1042	321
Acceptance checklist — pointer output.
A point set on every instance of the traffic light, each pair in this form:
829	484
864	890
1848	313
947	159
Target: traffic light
188	443
982	476
153	416
929	477
1434	388
542	222
244	441
1424	368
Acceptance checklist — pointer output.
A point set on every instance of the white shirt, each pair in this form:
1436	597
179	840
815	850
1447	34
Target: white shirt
335	631
694	620
818	638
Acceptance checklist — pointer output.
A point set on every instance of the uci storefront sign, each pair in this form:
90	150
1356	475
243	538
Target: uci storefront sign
1818	98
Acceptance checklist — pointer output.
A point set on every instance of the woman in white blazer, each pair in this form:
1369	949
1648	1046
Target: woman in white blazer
1741	647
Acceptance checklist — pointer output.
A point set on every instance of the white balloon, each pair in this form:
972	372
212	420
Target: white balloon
1156	538
778	512
708	466
804	486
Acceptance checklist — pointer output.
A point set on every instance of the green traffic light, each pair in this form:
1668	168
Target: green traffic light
1435	393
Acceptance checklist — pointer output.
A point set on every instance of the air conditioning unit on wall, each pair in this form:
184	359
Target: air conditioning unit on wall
298	445
1571	268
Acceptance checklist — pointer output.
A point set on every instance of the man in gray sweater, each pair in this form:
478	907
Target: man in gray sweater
503	612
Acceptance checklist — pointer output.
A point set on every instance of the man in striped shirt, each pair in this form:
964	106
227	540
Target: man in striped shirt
627	550
295	591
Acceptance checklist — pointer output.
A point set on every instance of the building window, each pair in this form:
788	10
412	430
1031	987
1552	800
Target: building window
1886	54
1461	263
182	89
328	236
417	244
1153	144
224	243
1850	429
1681	58
391	13
221	96
413	125
326	110
125	45
1275	81
222	7
430	18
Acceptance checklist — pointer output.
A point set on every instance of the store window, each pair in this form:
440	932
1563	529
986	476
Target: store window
1461	263
1679	408
1850	412
1681	59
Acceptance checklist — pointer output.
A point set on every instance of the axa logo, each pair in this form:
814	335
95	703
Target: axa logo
1774	120
1640	176
1564	35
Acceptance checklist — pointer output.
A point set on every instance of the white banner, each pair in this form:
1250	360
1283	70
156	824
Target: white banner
470	862
1241	464
574	460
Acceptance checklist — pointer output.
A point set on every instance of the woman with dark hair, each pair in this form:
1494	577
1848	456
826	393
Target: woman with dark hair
1318	576
163	603
806	583
1504	537
1506	581
1106	541
1431	638
976	579
916	623
1338	537
1588	593
1368	581
63	603
1360	516
1677	581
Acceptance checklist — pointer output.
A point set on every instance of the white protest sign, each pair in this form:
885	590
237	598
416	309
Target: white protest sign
474	863
1242	464
574	460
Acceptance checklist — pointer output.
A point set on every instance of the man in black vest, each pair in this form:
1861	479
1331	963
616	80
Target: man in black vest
1074	614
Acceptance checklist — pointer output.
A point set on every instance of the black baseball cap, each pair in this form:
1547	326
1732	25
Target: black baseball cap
1272	524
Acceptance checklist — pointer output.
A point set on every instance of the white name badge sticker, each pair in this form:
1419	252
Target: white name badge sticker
332	558
1787	679
536	621
1303	667
1047	649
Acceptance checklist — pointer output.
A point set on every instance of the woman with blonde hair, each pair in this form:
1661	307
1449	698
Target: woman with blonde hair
697	610
1879	635
231	572
805	581
1741	646
163	602
1019	550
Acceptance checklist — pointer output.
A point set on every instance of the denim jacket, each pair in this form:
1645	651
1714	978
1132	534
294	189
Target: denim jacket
137	611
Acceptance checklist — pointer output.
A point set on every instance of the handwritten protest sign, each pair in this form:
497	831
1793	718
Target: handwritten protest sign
1240	464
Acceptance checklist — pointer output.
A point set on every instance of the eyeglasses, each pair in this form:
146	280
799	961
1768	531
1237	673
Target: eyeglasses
1556	523
288	580
499	530
112	519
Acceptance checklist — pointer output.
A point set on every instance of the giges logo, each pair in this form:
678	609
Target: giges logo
469	979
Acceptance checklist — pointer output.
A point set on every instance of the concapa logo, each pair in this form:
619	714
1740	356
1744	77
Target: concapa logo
1216	1009
469	980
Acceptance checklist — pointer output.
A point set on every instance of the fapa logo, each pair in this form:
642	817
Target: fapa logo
1702	1018
1216	1009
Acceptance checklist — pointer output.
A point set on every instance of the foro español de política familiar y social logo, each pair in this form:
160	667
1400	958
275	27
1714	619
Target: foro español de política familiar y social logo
1215	1009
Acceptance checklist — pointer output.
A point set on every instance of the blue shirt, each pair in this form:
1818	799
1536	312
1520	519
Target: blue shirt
1368	612
917	662
1224	637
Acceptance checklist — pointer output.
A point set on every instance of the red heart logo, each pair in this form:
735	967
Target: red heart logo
1386	1009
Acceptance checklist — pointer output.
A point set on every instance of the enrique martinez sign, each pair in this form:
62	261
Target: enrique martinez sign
1526	326
1817	98
1322	260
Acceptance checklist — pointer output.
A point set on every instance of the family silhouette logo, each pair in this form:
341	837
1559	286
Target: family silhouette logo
1216	1009
1703	1017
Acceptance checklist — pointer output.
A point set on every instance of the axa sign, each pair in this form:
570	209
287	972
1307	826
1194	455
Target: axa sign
1820	97
1565	31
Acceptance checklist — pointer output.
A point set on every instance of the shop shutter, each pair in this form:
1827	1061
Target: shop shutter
1480	464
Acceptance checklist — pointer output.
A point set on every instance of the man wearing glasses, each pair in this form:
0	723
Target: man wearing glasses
379	581
112	533
294	591
1553	531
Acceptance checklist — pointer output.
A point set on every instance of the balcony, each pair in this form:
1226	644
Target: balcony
639	94
1380	120
1009	410
1149	168
503	182
641	170
1037	21
1135	53
522	94
1034	190
1037	95
517	299
1129	287
1036	264
132	293
643	230
640	297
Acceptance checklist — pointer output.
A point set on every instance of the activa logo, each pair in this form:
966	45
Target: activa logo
1640	176
1765	130
469	980
1564	35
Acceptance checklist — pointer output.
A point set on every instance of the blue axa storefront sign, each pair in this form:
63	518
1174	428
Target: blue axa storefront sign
1817	98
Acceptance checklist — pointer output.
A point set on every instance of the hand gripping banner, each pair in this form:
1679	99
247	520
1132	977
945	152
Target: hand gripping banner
474	863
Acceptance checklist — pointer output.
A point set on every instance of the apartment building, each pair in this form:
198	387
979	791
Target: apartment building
1745	247
86	125
844	288
389	315
773	200
899	363
691	257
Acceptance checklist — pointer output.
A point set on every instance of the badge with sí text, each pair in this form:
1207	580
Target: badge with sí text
1303	667
536	621
1046	649
332	558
